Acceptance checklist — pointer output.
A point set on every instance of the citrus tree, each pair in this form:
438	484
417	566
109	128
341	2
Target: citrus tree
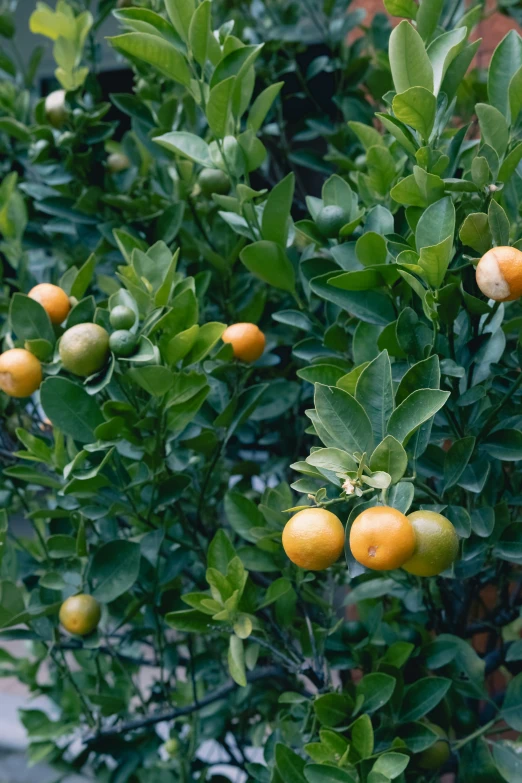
220	377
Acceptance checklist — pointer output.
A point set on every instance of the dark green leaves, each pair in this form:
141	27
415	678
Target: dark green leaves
421	697
276	214
374	392
343	418
114	569
70	408
409	62
29	320
506	61
420	406
268	261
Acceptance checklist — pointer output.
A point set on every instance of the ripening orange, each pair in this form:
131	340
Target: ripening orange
437	544
314	539
80	614
499	274
54	301
247	341
382	538
20	372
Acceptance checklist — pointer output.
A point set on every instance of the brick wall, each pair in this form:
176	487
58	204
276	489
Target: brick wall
492	30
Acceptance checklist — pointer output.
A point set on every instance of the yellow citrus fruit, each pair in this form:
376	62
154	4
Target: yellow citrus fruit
499	274
84	349
382	538
54	301
435	756
117	162
55	108
80	614
247	341
313	538
20	372
437	544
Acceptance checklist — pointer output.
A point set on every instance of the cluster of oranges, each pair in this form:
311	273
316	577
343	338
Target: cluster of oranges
381	538
85	347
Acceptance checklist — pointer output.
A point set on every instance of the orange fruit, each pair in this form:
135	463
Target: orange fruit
382	538
435	756
314	538
437	544
54	301
20	372
84	349
499	274
247	341
80	614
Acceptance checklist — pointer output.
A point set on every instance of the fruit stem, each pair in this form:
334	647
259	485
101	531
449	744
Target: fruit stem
478	733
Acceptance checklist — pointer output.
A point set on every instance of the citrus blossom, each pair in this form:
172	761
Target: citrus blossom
314	538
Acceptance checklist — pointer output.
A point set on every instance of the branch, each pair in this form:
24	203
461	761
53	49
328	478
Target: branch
159	717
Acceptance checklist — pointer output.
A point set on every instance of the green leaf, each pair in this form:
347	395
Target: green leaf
456	460
494	127
510	163
423	696
207	337
512	706
344	419
436	224
420	406
390	457
114	569
219	106
333	709
508	760
156	52
428	17
442	51
156	380
377	690
289	765
391	764
335	460
70	408
371	250
180	345
410	64
475	232
29	321
458	69
405	8
236	660
515	95
262	105
505	445
276	214
199	32
269	262
180	14
374	391
505	62
362	736
499	224
220	552
188	145
320	773
416	107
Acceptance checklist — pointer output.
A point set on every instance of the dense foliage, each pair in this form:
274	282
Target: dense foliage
160	484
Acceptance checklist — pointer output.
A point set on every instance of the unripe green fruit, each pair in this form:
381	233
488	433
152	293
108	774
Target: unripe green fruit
122	317
172	746
214	181
434	757
55	109
122	343
117	162
330	221
84	349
